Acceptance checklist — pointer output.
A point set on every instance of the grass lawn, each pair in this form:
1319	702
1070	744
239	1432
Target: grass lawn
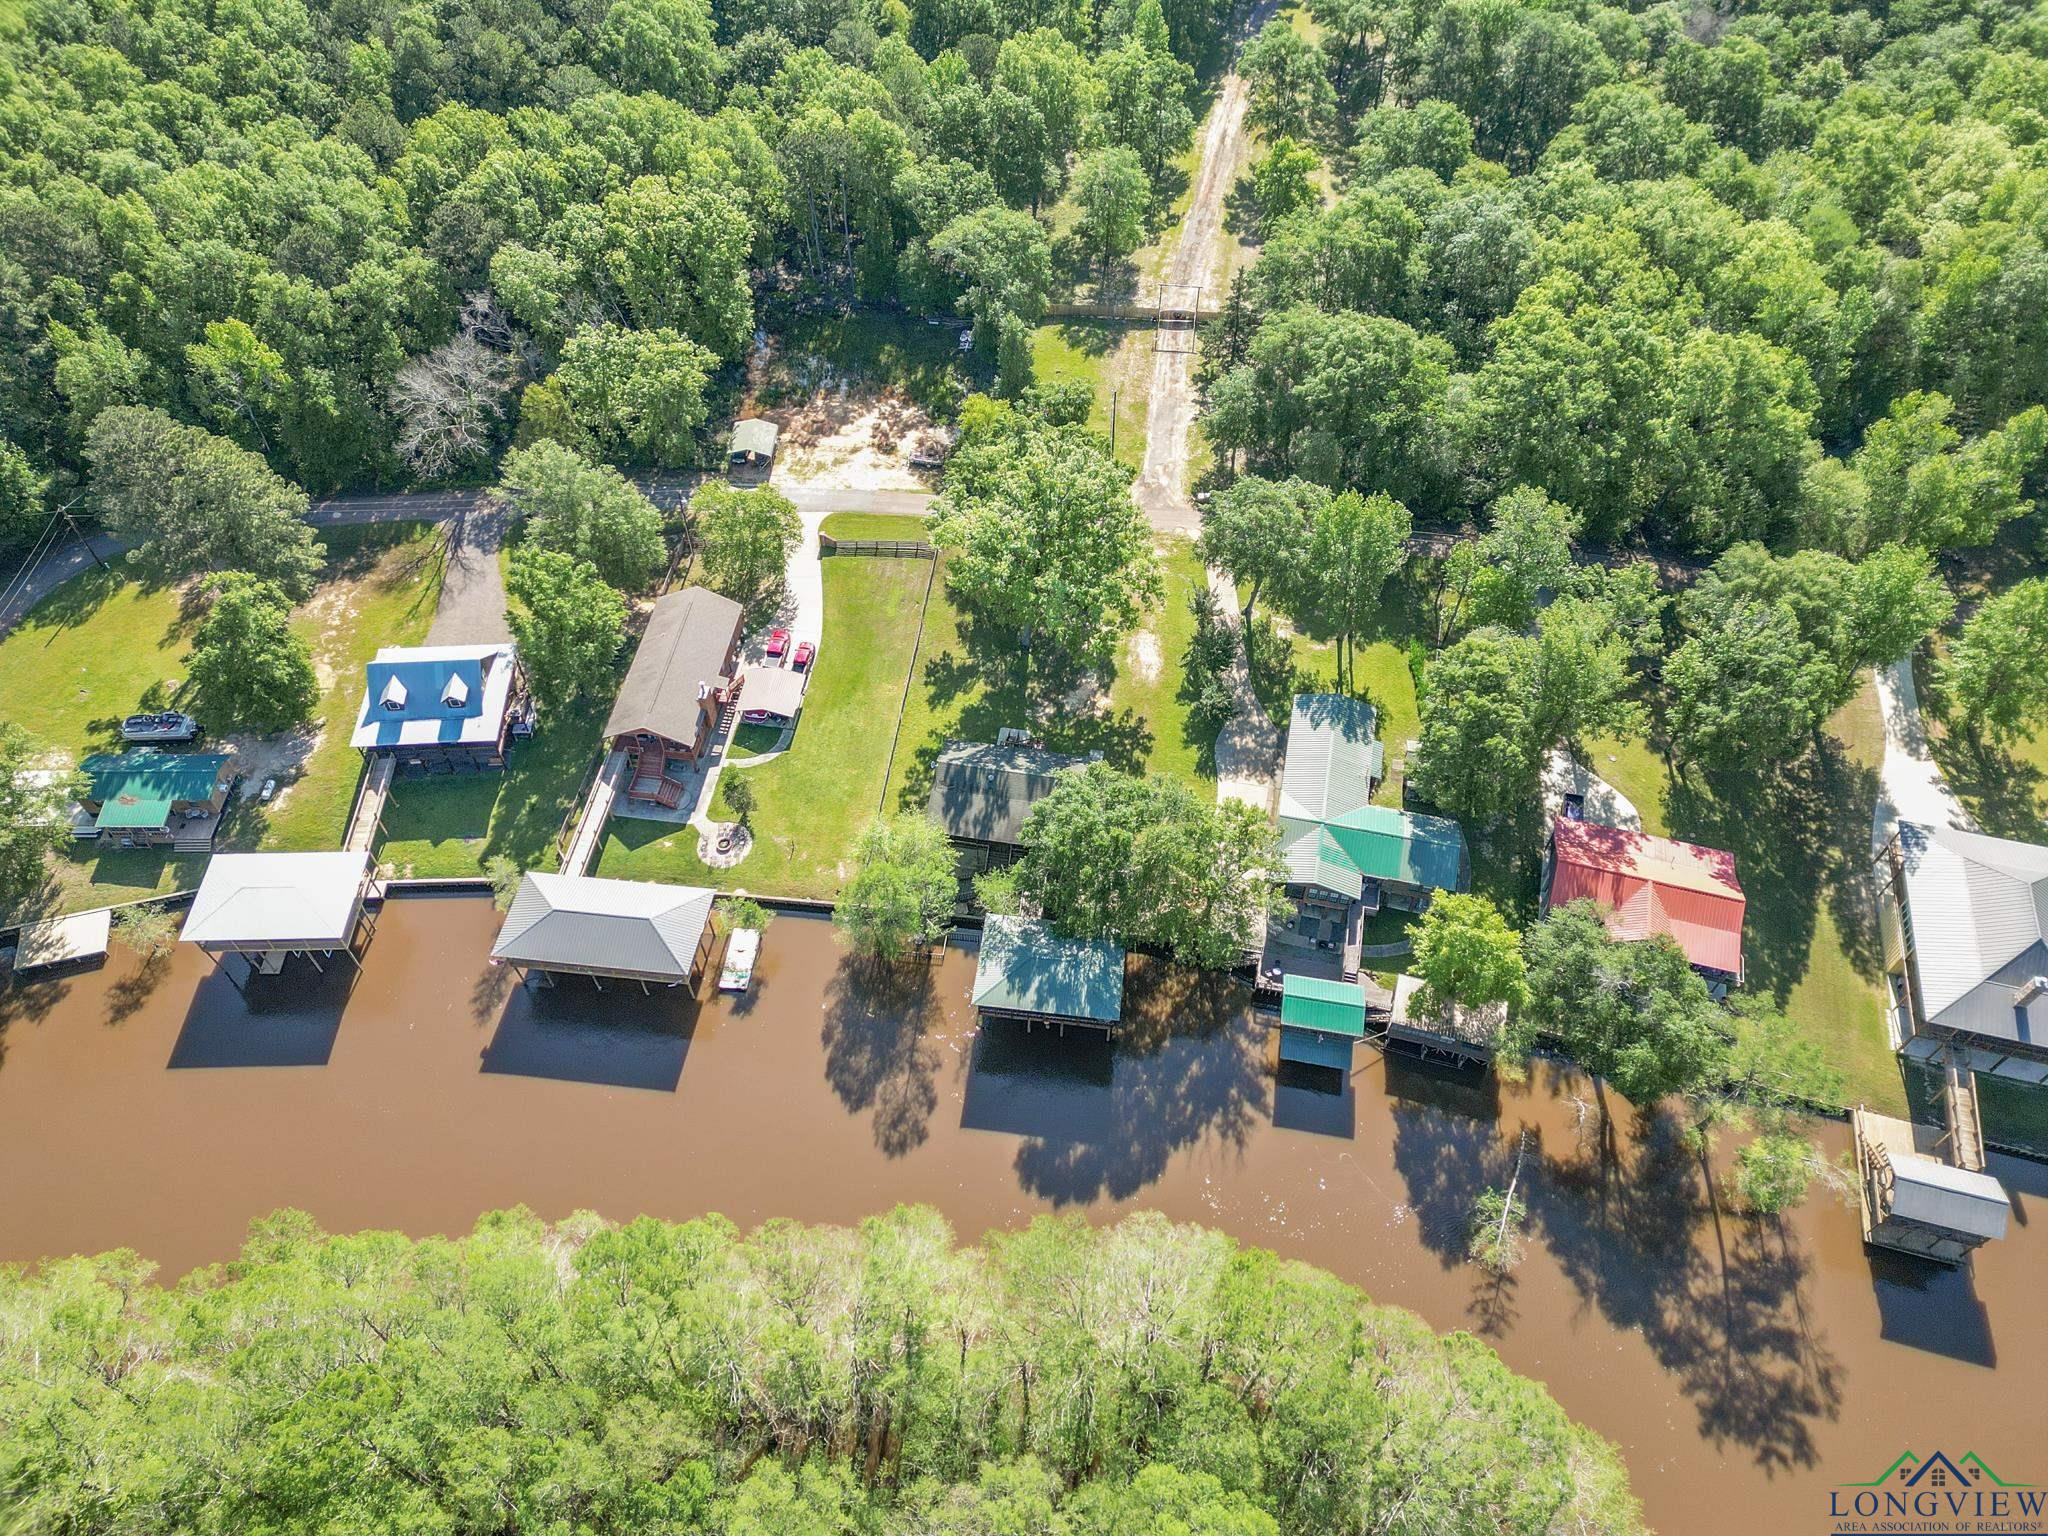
967	686
1112	359
381	587
1802	849
97	649
1379	672
448	827
874	525
102	646
813	800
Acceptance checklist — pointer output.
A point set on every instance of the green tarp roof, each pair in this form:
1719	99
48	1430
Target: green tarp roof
138	789
1025	967
1332	1007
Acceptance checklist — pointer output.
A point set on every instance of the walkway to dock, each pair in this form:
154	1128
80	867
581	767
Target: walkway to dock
369	812
597	810
1959	1101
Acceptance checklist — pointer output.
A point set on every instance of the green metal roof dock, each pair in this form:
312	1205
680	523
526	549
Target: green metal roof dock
1320	1020
1026	971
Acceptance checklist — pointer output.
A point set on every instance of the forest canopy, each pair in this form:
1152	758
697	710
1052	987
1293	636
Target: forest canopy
1062	1380
359	239
1775	275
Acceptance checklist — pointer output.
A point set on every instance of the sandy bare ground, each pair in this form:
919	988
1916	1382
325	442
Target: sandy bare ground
839	434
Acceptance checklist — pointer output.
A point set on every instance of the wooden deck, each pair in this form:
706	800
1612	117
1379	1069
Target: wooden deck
597	810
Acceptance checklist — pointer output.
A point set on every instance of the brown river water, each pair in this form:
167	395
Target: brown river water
1743	1370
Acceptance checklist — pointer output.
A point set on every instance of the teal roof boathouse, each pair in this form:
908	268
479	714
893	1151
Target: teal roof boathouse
1026	971
1320	1020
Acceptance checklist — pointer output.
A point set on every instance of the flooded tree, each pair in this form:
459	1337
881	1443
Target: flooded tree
658	1377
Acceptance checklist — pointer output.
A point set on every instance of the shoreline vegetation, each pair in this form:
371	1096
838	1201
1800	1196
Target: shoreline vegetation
1059	1379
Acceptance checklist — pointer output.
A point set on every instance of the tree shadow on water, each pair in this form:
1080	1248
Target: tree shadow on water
1719	1300
1187	1067
877	1054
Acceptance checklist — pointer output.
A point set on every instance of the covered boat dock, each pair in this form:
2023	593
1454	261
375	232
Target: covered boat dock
1321	1020
1028	973
1913	1200
1463	1036
72	940
624	930
267	907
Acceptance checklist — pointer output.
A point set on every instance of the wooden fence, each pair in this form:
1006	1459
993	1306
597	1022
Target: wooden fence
907	549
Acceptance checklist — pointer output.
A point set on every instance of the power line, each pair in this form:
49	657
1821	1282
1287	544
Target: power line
30	561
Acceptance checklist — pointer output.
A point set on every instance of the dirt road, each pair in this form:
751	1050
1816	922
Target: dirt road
1161	488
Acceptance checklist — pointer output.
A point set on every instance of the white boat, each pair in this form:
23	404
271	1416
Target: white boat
741	947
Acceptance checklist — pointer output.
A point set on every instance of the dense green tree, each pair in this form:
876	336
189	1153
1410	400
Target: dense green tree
569	623
901	894
1996	675
744	538
1634	1014
1283	182
1466	956
660	45
1291	94
35	802
638	394
22	491
249	668
191	502
1257	532
1046	540
1478	756
1146	860
1112	192
585	510
1356	544
510	1368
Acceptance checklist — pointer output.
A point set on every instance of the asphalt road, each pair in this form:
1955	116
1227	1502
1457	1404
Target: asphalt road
68	559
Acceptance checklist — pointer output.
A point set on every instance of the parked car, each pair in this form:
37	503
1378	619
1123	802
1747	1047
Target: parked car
805	654
168	725
269	789
778	641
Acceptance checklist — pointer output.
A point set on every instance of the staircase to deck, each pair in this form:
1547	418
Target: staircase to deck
1959	1103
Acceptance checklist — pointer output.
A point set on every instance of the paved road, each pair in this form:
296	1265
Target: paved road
668	492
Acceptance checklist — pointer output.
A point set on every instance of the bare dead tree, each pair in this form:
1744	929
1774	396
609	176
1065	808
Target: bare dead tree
450	400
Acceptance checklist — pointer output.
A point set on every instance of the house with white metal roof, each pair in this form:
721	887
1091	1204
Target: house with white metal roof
1964	922
583	925
442	708
267	907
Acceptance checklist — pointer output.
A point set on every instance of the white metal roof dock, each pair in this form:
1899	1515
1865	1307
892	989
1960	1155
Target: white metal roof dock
62	940
269	902
588	926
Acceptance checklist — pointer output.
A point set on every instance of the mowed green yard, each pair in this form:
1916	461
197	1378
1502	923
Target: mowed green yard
967	686
812	801
105	645
1802	851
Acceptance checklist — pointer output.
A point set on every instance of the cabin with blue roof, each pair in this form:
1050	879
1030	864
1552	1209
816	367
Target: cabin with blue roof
443	708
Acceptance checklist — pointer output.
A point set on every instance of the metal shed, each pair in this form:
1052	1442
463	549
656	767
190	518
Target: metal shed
1025	971
268	906
583	925
1320	1020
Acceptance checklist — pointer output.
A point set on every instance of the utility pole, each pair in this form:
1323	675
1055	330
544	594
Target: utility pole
1113	392
72	523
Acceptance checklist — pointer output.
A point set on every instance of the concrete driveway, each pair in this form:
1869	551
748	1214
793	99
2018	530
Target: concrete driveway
1912	786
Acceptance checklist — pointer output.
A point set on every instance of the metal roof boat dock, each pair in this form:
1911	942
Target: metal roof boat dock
584	925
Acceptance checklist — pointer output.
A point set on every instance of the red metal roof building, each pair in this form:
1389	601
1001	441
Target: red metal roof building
1650	885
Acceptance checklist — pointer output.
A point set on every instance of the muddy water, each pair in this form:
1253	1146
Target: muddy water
1742	1371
